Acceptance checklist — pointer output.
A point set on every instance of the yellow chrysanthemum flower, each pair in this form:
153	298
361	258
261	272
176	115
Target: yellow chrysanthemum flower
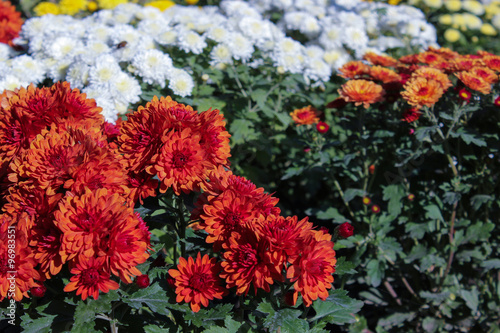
110	4
192	2
44	8
452	35
92	6
453	5
488	30
459	22
496	21
474	7
394	2
446	19
161	5
434	3
472	21
71	7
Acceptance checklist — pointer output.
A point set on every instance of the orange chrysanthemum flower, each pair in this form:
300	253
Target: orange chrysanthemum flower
312	271
10	22
422	92
181	164
383	74
86	220
197	282
305	116
429	58
141	186
464	63
485	73
444	52
353	70
361	92
474	82
225	214
380	60
435	74
17	264
46	241
285	235
89	277
214	137
247	262
492	62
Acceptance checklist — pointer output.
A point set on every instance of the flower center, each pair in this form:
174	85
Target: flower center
180	159
231	220
90	277
247	256
198	281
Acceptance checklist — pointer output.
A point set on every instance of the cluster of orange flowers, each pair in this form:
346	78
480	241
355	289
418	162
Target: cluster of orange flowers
259	247
66	191
420	79
10	22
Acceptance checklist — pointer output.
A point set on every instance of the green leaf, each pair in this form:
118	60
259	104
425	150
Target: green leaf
331	213
480	199
39	325
155	329
338	308
350	193
491	264
344	267
394	193
468	137
153	296
375	271
286	320
433	212
471	299
206	317
396	319
291	172
231	324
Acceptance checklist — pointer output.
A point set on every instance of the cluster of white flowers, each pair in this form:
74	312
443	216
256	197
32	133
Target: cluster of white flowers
107	55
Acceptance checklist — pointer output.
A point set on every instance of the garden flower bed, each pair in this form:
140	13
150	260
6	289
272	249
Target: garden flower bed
247	166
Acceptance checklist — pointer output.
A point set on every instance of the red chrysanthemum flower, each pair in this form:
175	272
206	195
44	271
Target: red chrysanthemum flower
46	241
411	115
305	116
214	137
10	22
345	230
89	277
435	74
354	70
181	164
492	62
496	102
197	282
474	82
444	52
464	63
375	209
485	73
380	60
422	92
311	272
361	92
247	261
322	127
141	186
429	57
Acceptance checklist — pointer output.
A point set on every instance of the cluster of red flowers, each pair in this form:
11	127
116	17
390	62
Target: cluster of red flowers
309	116
65	190
259	247
420	79
10	22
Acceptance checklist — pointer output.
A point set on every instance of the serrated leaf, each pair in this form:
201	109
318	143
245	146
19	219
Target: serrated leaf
286	320
206	317
293	171
86	311
338	308
375	270
491	264
153	296
394	193
471	298
350	193
344	267
331	213
155	329
433	212
480	199
39	325
231	324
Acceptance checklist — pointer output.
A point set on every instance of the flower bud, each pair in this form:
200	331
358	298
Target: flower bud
38	291
142	281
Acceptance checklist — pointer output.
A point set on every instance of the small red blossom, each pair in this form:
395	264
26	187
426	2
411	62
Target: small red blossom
411	196
307	149
367	201
411	131
345	230
38	291
371	169
465	95
375	209
497	101
142	281
322	127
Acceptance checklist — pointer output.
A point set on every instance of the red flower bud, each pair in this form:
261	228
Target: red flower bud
171	281
375	209
142	281
307	149
371	169
322	127
497	101
345	230
38	291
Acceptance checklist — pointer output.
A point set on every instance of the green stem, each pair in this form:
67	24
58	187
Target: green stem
181	225
337	186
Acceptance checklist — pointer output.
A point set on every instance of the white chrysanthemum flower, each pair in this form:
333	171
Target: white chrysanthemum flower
92	50
348	4
104	16
148	13
256	30
153	28
57	69
78	75
355	38
5	52
125	13
125	88
221	54
106	67
350	19
314	51
495	21
190	41
238	9
474	7
288	45
182	15
153	66
181	83
133	38
11	82
331	37
168	37
4	69
218	33
28	69
336	58
64	48
383	43
421	33
97	32
240	46
317	70
472	21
